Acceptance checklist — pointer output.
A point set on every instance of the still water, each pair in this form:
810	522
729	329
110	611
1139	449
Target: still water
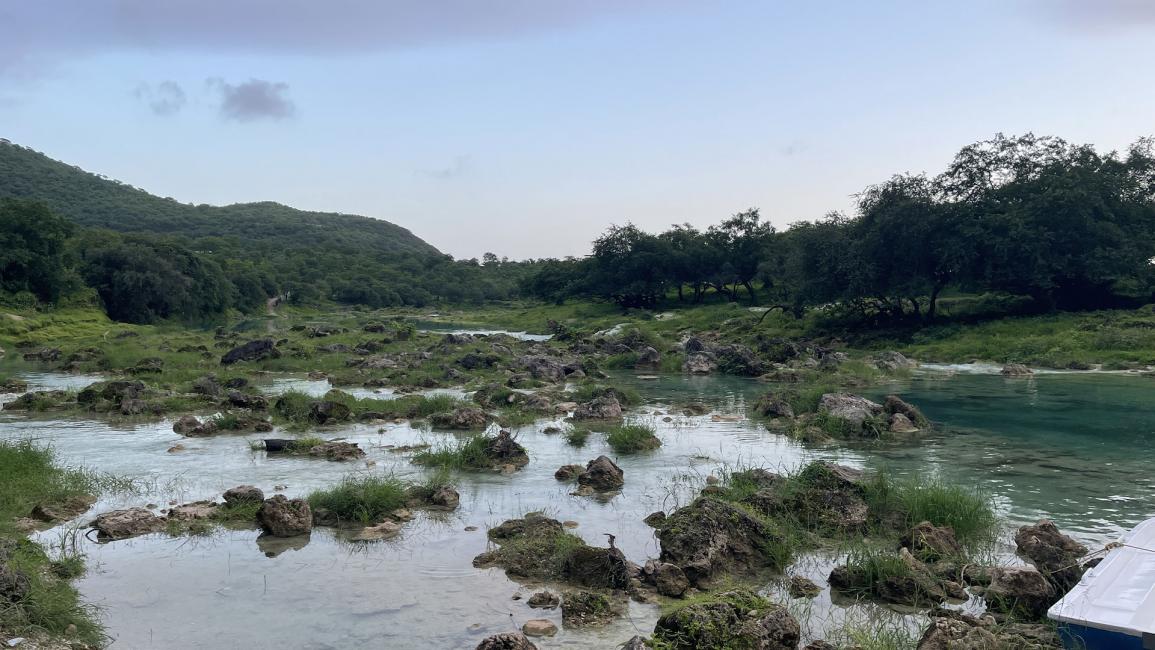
1074	447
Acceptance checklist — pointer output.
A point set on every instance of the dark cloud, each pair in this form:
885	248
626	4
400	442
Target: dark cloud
254	99
1100	15
459	167
50	30
164	99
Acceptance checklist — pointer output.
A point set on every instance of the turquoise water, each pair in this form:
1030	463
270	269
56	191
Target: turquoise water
1073	447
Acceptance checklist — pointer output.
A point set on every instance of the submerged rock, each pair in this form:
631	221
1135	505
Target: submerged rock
602	474
186	424
123	524
506	641
282	517
587	608
337	450
738	619
568	472
802	587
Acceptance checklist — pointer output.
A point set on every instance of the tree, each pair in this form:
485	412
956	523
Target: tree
32	245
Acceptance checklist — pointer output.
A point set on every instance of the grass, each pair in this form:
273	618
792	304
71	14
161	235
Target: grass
460	455
917	499
588	391
362	499
577	437
870	567
632	438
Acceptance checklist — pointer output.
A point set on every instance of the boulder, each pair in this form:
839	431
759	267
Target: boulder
635	643
648	357
711	536
894	405
186	424
891	361
383	530
198	510
846	406
955	630
602	474
605	407
773	406
568	472
730	620
930	543
445	498
899	423
251	351
543	600
1054	554
506	641
44	355
915	586
503	449
802	587
329	411
281	517
248	400
243	494
207	385
596	567
337	450
586	608
694	344
655	519
670	580
542	368
699	363
1016	370
738	360
466	417
123	524
1021	592
539	627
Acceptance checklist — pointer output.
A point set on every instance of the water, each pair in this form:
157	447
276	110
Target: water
1073	447
449	328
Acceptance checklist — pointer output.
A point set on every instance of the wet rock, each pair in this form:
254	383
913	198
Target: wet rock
1053	553
891	361
503	449
249	401
39	400
539	627
273	546
542	368
899	423
282	517
587	608
699	363
894	405
384	530
530	526
123	524
116	392
655	519
731	620
602	474
635	643
242	494
337	450
930	543
206	428
802	587
738	360
694	344
1021	592
466	417
954	630
593	566
819	645
251	351
63	510
198	510
605	407
506	641
670	580
648	357
773	406
846	406
831	498
445	498
329	411
568	472
914	585
1016	370
13	385
711	536
544	600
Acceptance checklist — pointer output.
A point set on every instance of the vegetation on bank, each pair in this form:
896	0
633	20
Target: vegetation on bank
41	600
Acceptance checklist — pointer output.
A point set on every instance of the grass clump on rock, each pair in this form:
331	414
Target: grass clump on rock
539	547
361	499
904	503
632	438
733	620
477	452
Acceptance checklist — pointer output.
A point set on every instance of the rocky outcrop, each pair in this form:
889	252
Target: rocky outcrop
1054	554
828	497
506	641
251	351
123	524
602	474
914	584
281	517
544	600
1021	592
605	407
710	537
852	408
954	630
503	449
730	620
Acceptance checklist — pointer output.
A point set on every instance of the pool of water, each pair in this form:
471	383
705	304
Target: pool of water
1073	447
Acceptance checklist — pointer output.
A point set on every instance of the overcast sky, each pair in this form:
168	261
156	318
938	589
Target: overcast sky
524	127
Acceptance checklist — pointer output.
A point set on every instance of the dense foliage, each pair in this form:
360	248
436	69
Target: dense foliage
1061	224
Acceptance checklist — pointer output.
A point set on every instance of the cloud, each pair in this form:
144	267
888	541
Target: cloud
459	167
54	30
1100	15
164	99
254	99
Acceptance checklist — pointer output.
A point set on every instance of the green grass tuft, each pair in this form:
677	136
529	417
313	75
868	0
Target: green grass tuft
632	438
361	499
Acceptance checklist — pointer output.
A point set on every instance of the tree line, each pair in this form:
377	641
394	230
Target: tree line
1060	224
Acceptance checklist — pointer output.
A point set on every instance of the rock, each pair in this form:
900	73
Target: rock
802	587
568	472
207	385
635	643
891	361
954	630
251	351
772	406
186	424
539	627
337	450
655	519
894	405
249	401
899	423
846	406
596	567
738	360
602	474
44	355
586	608
1054	554
329	411
694	344
466	417
146	366
731	620
383	530
819	645
648	357
63	510
14	584
699	363
243	494
445	498
930	543
503	449
711	536
281	517
198	510
542	368
506	641
915	586
123	524
116	391
1016	370
1021	592
13	385
544	600
605	407
670	580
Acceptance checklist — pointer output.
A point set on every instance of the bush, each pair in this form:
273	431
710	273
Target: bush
632	438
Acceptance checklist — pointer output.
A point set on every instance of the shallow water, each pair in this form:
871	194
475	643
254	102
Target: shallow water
1073	447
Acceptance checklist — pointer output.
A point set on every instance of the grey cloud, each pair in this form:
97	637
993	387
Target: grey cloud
254	99
51	30
1100	15
459	167
164	99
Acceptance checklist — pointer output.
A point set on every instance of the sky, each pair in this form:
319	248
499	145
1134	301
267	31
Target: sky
526	127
